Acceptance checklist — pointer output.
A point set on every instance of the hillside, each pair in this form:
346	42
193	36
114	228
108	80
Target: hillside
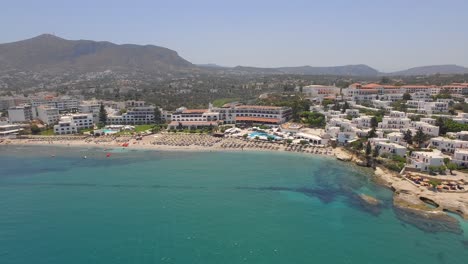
431	70
53	54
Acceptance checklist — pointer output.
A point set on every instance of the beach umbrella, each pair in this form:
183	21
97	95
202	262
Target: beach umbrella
453	183
425	180
444	183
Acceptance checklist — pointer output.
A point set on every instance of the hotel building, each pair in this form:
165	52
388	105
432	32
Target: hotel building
18	114
72	124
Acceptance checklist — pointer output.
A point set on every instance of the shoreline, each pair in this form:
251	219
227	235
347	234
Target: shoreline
410	201
145	144
414	203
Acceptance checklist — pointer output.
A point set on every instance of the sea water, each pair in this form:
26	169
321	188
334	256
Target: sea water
201	207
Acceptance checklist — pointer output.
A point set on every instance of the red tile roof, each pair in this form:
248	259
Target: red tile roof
371	86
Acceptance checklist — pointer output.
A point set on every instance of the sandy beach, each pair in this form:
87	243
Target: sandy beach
171	142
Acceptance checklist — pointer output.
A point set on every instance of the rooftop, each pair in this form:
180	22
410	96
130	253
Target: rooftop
257	119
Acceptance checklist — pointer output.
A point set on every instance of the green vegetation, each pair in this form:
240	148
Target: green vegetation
296	102
408	137
400	105
157	116
451	167
461	107
452	126
434	182
35	130
102	116
420	137
222	101
142	128
406	96
437	169
47	132
313	119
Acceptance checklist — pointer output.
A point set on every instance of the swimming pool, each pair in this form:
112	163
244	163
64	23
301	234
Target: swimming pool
263	134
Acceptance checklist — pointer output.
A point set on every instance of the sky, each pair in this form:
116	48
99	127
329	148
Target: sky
388	35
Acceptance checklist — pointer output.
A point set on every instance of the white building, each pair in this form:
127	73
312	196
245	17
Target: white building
390	148
433	107
397	138
447	145
72	124
9	130
422	160
320	91
92	107
18	114
395	120
362	121
460	157
134	116
62	103
253	114
48	115
425	127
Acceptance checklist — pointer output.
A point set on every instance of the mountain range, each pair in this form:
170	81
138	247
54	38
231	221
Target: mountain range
49	53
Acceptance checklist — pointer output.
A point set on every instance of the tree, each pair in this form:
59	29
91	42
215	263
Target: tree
408	137
368	149
102	116
406	96
35	130
345	106
373	122
375	153
451	167
372	133
420	137
441	124
157	116
385	80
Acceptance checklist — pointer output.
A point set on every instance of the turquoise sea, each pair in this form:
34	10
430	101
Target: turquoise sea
202	207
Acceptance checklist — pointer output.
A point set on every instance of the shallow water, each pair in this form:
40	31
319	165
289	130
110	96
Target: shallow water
184	207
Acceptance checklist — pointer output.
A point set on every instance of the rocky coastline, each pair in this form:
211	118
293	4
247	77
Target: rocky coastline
421	207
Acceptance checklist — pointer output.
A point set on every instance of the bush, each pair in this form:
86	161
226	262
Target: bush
398	159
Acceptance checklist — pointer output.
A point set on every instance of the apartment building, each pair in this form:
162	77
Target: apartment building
395	120
62	103
134	116
422	160
362	121
460	157
48	115
253	114
447	145
72	124
390	148
21	113
428	129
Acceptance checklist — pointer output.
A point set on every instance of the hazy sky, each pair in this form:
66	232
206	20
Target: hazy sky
385	34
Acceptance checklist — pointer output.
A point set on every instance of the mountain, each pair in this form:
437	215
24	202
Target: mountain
50	54
347	70
211	66
53	54
431	70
